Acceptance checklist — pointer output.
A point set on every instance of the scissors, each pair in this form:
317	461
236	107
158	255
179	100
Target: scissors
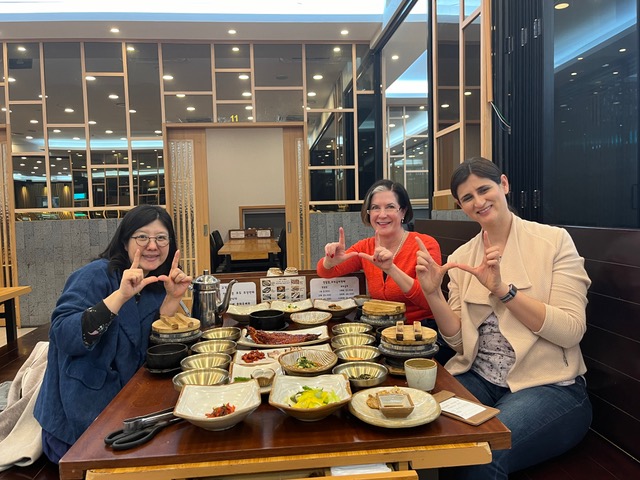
141	433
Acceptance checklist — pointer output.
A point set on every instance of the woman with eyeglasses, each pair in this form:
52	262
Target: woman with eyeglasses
388	259
101	325
515	316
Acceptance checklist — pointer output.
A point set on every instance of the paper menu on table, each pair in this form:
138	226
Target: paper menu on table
332	289
461	408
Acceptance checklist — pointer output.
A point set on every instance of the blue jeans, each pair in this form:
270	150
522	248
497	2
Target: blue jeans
545	421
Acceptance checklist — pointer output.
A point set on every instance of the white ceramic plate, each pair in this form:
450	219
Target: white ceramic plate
196	401
338	309
426	409
271	354
292	307
246	341
240	313
237	370
310	319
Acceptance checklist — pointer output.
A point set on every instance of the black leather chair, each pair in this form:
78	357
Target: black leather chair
218	262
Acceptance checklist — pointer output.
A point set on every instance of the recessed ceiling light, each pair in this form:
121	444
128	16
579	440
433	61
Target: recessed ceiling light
22	49
445	105
130	49
622	50
68	110
108	131
248	107
561	5
158	132
395	57
344	32
167	77
232	32
113	96
29	137
33	121
56	130
336	49
235	49
391	125
115	30
191	109
180	95
90	78
76	138
318	77
421	107
573	74
246	94
243	76
580	58
311	94
466	94
92	122
249	118
11	79
132	111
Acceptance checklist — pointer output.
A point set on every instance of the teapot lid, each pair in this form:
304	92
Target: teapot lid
206	281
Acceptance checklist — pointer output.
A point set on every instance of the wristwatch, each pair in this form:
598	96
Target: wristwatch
510	294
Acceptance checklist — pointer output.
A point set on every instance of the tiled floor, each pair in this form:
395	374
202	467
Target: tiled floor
21	332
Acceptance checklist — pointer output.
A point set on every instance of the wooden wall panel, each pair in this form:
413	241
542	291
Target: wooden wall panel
611	346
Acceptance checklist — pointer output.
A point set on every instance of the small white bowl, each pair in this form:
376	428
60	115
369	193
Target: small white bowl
196	401
311	319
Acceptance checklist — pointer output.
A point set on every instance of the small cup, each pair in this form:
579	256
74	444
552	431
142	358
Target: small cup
421	373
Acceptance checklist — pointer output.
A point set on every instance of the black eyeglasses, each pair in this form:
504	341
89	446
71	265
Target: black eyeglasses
143	240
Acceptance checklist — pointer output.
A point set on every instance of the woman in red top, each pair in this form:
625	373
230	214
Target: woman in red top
388	259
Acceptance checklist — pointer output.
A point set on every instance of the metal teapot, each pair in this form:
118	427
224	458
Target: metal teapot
208	306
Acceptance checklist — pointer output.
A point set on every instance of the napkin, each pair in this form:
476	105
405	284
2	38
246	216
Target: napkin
360	469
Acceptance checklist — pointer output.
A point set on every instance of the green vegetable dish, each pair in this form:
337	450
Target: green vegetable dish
304	362
312	398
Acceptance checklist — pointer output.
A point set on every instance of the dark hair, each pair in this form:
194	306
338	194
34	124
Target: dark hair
478	166
135	219
387	186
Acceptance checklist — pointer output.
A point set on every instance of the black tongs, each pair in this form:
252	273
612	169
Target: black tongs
137	431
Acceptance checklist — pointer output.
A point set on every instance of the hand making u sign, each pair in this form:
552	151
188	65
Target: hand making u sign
488	272
336	252
177	282
133	279
382	257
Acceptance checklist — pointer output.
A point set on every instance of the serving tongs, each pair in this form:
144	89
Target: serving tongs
139	430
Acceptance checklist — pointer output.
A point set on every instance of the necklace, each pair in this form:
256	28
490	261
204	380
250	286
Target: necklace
404	236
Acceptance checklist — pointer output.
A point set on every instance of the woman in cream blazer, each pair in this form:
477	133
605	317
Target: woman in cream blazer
515	317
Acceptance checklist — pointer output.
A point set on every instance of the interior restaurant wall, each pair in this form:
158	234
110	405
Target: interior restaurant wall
245	167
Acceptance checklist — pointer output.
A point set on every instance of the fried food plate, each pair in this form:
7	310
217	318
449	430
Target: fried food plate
246	341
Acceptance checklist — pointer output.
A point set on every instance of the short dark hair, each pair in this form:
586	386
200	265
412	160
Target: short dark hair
135	219
387	186
478	166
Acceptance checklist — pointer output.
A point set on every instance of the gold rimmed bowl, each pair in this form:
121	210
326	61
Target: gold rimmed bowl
363	374
201	376
351	327
350	339
206	360
357	353
307	362
221	333
219	346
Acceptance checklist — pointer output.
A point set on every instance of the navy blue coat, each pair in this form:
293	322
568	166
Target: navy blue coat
80	381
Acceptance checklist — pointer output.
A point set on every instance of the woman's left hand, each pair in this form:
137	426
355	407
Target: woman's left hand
382	257
488	272
177	282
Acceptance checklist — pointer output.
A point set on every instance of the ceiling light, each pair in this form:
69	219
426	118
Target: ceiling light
132	111
615	73
391	125
421	107
92	122
113	96
29	137
167	77
90	78
11	79
466	94
191	109
235	49
336	49
115	30
328	146
232	32
573	74
311	94
246	94
180	95
249	118
318	77
344	32
22	49
130	49
56	130
68	110
560	5
243	76
33	121
395	57
248	107
580	58
445	105
622	50
76	138
157	132
108	131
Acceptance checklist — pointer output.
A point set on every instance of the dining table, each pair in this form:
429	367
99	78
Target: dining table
8	296
249	248
268	440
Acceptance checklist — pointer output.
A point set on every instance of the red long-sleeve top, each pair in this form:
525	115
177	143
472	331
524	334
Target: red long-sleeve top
382	288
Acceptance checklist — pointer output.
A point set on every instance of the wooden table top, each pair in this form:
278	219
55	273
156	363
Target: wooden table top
7	293
249	248
266	433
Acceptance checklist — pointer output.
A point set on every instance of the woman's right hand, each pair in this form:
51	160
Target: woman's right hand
133	279
336	252
428	272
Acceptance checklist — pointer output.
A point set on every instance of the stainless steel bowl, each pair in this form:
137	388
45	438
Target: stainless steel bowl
221	346
347	339
200	376
222	333
206	360
351	327
363	374
357	353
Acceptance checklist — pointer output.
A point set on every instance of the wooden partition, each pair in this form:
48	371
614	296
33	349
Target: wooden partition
611	345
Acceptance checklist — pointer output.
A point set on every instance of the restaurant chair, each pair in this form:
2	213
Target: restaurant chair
218	262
